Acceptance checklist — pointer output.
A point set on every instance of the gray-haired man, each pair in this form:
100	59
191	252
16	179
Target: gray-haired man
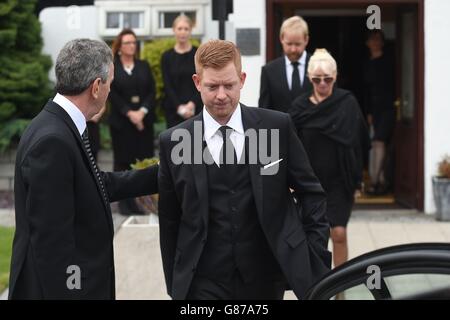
63	242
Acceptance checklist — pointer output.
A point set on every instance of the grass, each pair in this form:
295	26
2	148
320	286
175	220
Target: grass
6	238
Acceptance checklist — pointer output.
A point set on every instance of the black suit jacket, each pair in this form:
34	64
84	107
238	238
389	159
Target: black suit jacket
274	90
297	235
61	217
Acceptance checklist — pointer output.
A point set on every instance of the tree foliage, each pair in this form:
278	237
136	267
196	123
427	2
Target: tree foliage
24	83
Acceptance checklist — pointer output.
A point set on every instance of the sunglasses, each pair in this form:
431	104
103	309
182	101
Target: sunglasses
318	80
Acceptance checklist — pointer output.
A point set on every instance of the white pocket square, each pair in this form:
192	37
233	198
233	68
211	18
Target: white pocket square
272	164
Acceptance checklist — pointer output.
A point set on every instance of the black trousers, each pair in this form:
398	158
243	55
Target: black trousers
203	288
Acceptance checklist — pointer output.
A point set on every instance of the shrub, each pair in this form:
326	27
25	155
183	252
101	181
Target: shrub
444	167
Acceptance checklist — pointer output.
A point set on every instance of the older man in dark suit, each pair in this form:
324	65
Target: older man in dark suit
232	230
63	244
284	79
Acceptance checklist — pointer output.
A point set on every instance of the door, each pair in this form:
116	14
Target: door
406	129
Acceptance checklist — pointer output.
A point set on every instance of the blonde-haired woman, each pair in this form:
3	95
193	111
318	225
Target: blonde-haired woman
331	126
181	99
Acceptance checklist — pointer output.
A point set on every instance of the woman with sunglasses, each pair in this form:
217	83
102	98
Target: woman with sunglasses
332	129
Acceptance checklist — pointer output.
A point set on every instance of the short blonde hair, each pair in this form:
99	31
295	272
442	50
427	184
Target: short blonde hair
217	54
296	24
322	59
185	18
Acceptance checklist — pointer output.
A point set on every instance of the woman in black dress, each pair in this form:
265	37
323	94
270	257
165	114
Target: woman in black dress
181	100
379	105
131	118
331	127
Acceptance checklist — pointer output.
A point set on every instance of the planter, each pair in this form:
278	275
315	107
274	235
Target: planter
441	193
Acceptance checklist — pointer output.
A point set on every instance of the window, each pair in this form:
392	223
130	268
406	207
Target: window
120	20
163	17
148	21
113	20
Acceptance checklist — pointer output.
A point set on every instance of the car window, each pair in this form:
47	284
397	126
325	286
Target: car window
405	285
359	292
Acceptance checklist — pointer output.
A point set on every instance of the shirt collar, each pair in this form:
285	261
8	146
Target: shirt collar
211	125
301	60
72	110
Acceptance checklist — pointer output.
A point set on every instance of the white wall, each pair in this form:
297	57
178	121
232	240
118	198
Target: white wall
251	14
437	99
62	24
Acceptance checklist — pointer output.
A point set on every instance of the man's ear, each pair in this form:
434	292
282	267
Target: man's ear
243	77
306	40
196	79
95	88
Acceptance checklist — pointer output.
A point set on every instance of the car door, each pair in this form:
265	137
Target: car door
409	271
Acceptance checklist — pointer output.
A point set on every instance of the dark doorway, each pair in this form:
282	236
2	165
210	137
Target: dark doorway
345	43
340	27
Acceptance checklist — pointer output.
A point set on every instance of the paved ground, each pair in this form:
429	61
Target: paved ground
138	264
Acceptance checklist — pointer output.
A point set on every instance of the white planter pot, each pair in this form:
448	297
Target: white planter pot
441	193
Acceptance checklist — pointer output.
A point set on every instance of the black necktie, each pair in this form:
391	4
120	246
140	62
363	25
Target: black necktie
87	147
296	88
227	153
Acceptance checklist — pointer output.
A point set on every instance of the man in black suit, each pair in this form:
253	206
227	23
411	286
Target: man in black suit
284	79
233	230
63	244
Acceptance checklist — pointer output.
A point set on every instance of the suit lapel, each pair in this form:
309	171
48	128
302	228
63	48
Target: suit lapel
250	120
59	111
199	171
306	82
283	76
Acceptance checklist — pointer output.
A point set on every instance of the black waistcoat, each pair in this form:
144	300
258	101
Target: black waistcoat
235	239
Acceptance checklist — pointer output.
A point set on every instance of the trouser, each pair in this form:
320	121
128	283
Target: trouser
203	288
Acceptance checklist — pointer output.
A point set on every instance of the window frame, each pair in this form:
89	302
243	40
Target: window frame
112	32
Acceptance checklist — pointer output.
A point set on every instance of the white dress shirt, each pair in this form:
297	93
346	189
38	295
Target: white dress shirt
73	112
213	137
290	69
